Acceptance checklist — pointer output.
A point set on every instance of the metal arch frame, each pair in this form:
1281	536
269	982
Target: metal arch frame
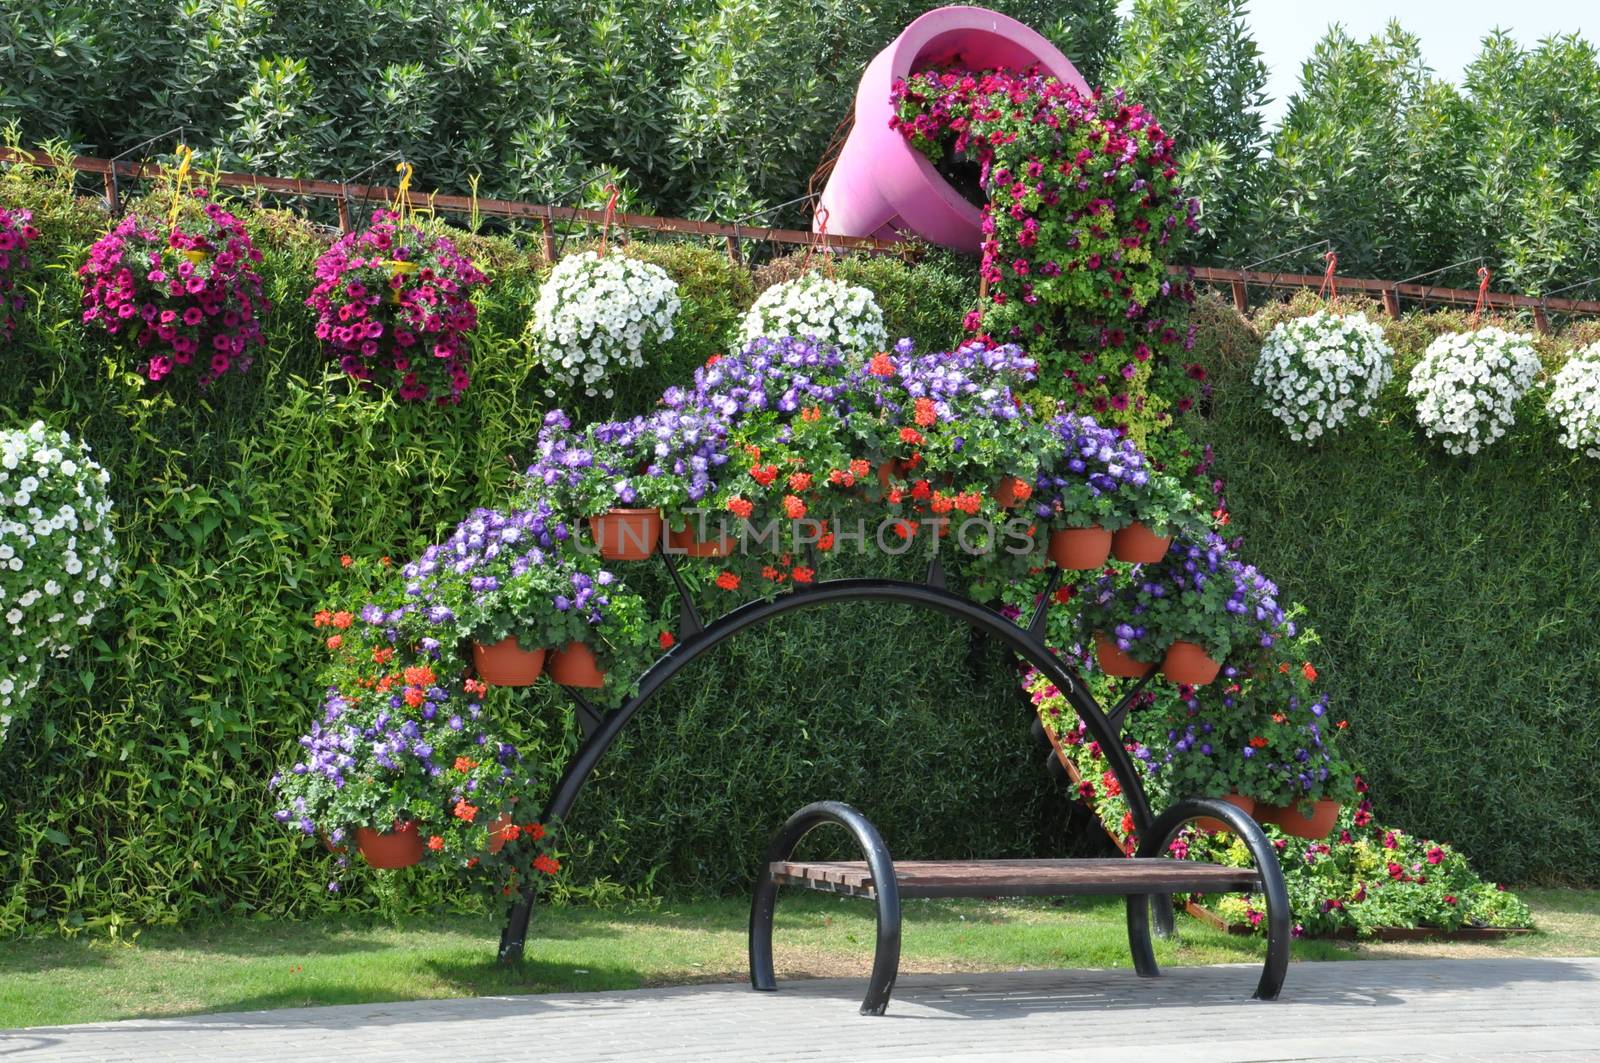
601	730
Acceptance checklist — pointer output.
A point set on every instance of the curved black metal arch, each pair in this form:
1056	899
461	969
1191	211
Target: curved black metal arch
1027	643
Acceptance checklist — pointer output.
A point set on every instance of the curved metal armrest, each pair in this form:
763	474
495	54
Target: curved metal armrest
1265	856
886	961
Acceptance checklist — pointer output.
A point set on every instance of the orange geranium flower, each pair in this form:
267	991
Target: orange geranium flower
794	507
880	365
741	508
811	413
546	863
335	641
1309	672
464	811
727	581
382	654
342	619
799	481
859	467
419	675
465	764
436	843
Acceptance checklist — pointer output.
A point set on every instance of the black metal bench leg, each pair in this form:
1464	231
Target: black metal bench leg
1144	953
762	906
886	960
1155	843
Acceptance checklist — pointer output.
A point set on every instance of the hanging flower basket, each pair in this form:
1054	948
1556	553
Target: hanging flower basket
1247	805
1081	549
575	666
1319	824
1011	492
1115	662
506	664
1188	663
390	850
689	543
626	534
1137	544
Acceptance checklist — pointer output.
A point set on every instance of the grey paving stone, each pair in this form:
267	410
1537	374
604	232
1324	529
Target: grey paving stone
1416	1011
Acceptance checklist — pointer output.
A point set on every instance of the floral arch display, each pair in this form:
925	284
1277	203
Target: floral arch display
1039	466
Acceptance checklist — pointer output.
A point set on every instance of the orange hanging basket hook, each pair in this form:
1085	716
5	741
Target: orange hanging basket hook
1484	275
611	212
1330	287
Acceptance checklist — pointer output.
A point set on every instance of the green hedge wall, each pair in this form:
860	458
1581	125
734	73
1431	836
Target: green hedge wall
135	792
1457	599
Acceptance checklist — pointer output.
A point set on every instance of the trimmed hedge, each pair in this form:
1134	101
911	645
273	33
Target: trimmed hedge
1457	599
136	789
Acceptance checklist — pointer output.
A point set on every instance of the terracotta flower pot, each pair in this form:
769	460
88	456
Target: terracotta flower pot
1080	548
400	846
506	664
497	832
626	534
1010	492
1247	805
894	468
575	666
1324	816
690	544
1187	662
1113	661
1138	544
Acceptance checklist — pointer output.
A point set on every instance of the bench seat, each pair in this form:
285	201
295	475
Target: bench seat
1145	880
1022	878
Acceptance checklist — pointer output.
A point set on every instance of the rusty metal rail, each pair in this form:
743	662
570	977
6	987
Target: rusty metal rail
1237	281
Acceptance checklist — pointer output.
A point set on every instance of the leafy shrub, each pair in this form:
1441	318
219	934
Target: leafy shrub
237	507
1452	600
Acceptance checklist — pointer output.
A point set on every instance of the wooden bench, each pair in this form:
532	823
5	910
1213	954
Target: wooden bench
1145	879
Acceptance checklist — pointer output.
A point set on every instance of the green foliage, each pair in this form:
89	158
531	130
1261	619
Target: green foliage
1455	597
136	792
1194	63
706	108
1407	173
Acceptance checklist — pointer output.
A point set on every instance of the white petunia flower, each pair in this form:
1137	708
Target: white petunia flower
595	315
1319	371
818	308
1574	402
1468	384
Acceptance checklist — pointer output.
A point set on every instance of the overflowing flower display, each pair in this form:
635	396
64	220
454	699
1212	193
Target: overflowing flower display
1574	402
401	744
57	559
1200	593
1468	384
182	294
1272	744
818	308
1319	371
395	303
596	314
16	233
1082	213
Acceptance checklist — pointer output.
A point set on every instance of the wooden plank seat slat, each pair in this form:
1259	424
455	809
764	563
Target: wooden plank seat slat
1022	878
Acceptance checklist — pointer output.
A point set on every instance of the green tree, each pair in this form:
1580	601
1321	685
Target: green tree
1196	66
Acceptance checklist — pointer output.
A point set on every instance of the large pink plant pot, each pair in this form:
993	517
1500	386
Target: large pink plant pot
882	186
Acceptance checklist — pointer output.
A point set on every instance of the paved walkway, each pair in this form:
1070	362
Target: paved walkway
1505	1010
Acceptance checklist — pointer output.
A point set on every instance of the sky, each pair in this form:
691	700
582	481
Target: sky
1450	30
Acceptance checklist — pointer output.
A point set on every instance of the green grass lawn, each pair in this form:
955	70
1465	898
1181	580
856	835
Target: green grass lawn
249	964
